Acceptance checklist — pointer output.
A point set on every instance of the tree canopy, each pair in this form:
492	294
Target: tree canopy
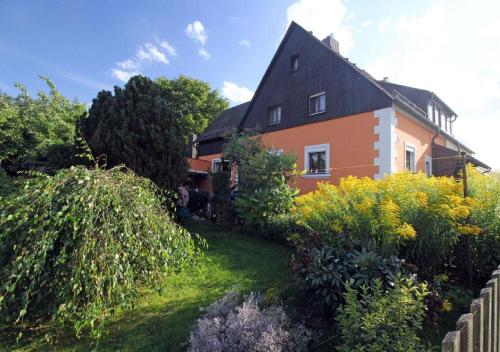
195	102
34	129
146	125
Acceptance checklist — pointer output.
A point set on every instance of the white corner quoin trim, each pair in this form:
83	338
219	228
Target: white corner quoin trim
386	144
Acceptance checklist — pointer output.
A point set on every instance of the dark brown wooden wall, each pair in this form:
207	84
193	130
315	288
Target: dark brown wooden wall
348	91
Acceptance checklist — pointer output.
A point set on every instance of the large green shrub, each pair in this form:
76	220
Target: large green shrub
417	217
6	183
264	177
146	125
485	214
31	128
77	245
323	270
383	321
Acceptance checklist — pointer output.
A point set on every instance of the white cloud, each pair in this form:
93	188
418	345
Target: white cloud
169	48
324	17
244	42
384	24
123	76
235	93
196	31
151	52
367	23
147	53
448	50
128	64
203	53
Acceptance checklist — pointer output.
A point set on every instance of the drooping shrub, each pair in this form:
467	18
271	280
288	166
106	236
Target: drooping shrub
229	327
79	244
6	184
419	217
379	320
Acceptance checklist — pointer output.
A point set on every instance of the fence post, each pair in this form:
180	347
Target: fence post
451	342
476	308
486	294
496	276
464	326
493	284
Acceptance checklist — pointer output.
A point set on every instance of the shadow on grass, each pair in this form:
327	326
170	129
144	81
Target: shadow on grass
161	322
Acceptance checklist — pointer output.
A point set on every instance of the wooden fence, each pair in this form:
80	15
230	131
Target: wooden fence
478	330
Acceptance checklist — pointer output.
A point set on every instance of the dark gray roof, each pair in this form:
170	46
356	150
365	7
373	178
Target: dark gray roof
421	97
357	96
226	121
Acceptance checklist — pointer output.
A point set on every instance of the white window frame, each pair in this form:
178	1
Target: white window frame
411	148
315	149
215	161
309	105
428	159
269	115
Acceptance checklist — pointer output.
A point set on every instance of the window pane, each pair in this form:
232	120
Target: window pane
275	115
410	160
317	104
317	163
428	171
294	63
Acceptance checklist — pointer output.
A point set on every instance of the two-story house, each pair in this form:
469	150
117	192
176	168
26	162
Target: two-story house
339	120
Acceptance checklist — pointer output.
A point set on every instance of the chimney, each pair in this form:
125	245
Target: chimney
331	43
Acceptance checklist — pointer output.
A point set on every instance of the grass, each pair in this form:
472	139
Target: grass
161	322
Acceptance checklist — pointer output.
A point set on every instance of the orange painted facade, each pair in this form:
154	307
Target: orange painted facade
199	165
350	139
351	144
415	134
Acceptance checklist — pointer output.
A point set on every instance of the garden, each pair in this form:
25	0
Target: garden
92	255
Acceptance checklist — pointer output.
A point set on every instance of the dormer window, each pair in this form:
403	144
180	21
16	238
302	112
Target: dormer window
294	63
317	103
275	115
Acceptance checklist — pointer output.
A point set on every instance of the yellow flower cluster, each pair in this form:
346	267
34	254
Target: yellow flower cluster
469	230
388	208
447	306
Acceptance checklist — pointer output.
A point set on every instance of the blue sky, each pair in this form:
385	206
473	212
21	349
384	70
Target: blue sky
450	47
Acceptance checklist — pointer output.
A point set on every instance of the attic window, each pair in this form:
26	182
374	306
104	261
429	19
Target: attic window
275	115
317	103
294	63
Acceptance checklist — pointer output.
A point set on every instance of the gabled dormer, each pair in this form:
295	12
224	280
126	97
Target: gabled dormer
424	103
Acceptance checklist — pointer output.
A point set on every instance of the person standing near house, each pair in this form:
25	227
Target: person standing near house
183	195
182	203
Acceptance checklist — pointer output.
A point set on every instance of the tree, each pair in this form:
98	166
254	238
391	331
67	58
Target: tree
146	125
138	127
194	101
31	129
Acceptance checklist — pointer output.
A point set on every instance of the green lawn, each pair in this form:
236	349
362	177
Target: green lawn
161	322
